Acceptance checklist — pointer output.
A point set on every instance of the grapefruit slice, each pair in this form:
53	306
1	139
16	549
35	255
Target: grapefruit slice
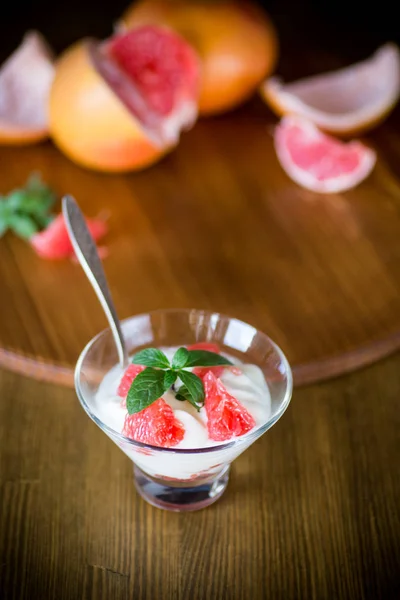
25	81
346	101
127	379
155	74
155	425
208	346
53	242
319	162
226	416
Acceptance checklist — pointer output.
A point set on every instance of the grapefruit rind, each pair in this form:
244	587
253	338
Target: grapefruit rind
25	82
345	101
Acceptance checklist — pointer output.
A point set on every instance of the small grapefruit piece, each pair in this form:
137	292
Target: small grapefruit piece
155	425
208	346
226	416
236	42
25	81
202	371
128	377
53	242
121	104
319	162
346	101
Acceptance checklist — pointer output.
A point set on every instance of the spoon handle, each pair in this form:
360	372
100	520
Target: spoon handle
86	253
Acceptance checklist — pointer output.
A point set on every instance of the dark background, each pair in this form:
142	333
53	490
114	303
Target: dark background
348	29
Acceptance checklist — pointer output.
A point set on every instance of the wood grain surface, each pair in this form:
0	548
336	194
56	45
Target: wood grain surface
216	225
311	511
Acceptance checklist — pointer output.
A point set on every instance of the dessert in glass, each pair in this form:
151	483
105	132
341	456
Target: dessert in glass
204	390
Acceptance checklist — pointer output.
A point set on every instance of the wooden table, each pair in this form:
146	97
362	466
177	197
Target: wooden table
311	511
312	508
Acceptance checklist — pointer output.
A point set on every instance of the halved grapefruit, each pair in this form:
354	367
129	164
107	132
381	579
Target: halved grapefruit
235	40
319	162
25	81
343	102
119	105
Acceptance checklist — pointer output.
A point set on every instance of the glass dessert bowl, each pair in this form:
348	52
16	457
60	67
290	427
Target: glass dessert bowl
185	477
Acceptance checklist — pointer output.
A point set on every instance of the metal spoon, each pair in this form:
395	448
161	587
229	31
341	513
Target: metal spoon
86	253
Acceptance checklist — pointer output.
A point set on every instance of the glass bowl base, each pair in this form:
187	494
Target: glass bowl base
180	498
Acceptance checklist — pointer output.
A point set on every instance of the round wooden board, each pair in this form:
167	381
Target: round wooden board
216	225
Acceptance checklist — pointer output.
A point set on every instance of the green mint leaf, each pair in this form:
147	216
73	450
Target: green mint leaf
23	226
169	379
203	358
43	220
27	210
194	386
151	357
23	201
180	358
184	394
146	388
4	216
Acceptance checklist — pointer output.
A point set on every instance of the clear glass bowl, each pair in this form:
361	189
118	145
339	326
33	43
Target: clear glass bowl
184	479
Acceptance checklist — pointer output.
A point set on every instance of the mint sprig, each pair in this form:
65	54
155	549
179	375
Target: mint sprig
149	385
26	211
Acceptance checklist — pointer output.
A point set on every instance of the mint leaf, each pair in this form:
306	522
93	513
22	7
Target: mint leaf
169	379
23	226
151	357
184	394
27	210
147	387
194	385
180	358
203	358
4	216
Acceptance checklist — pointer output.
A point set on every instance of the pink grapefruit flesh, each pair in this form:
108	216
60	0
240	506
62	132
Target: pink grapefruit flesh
53	242
127	379
319	162
155	425
226	416
155	74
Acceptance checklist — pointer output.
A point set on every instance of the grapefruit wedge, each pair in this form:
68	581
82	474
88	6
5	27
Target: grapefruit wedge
319	162
343	102
25	81
54	243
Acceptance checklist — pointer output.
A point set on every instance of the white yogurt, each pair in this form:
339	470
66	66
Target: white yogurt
250	389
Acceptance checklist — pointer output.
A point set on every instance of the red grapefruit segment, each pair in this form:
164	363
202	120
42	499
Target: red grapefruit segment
208	346
319	162
226	416
127	379
155	425
155	73
202	371
25	81
53	242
